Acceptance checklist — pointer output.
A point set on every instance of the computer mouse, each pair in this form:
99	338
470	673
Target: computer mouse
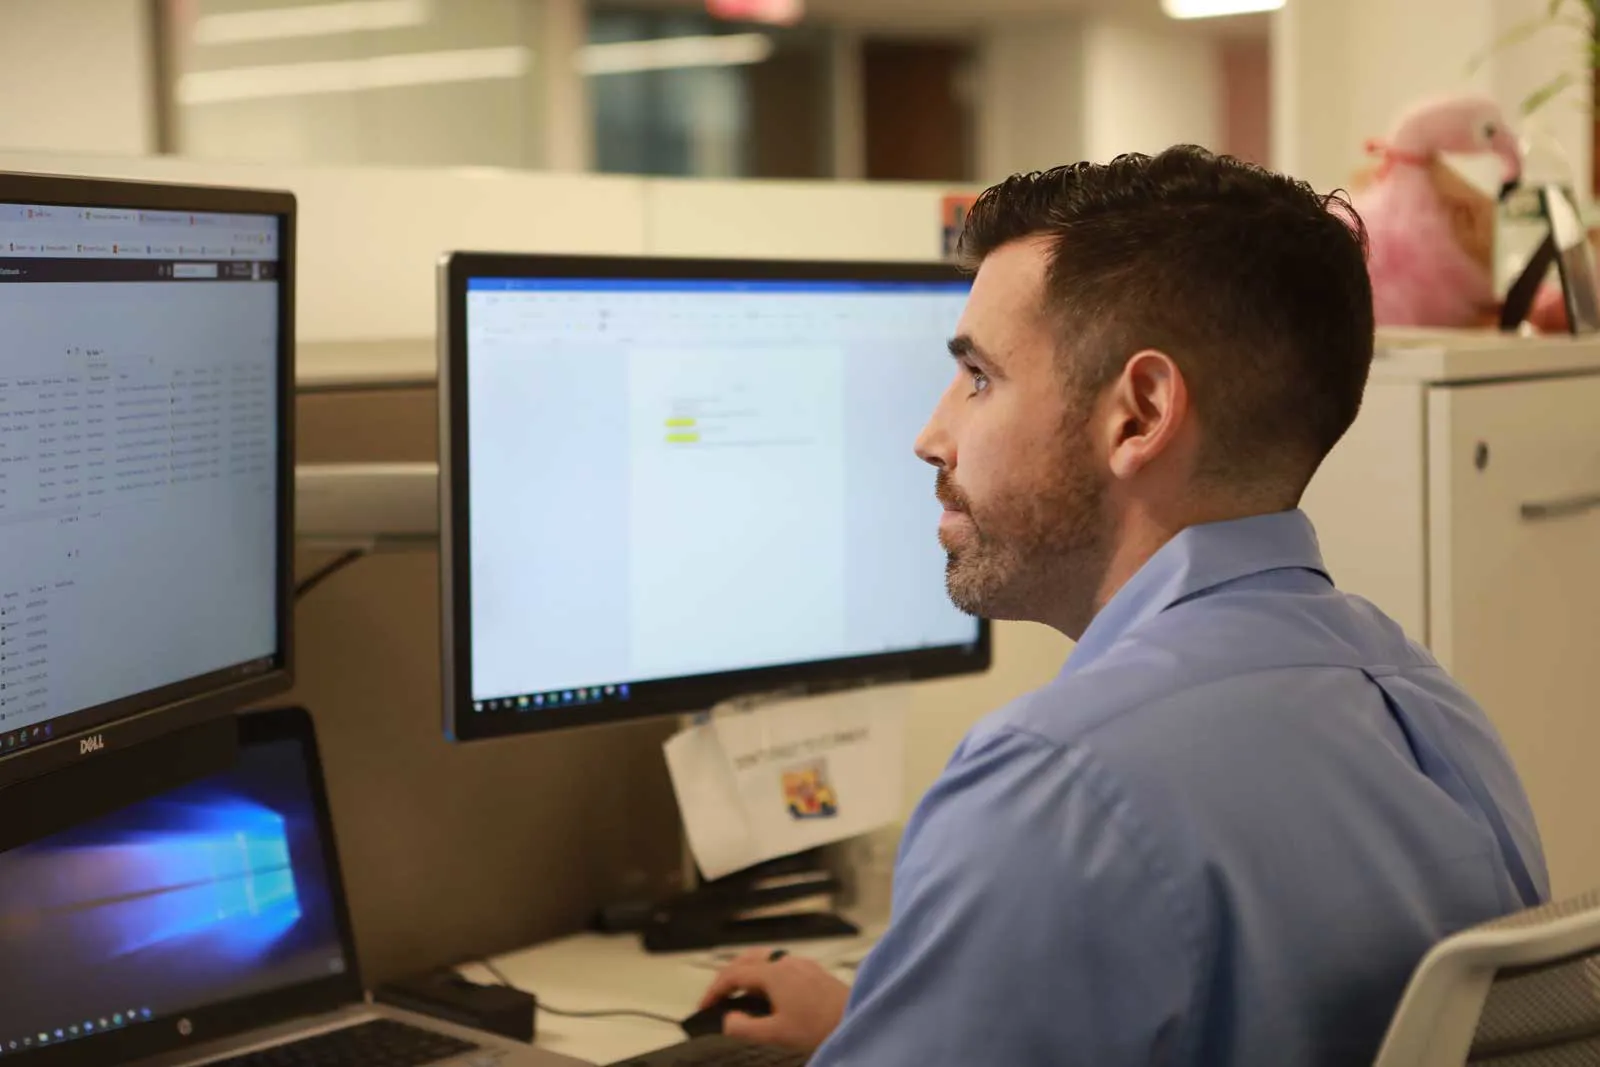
708	1021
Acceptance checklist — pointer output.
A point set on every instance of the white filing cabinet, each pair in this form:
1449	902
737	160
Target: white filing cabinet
1466	503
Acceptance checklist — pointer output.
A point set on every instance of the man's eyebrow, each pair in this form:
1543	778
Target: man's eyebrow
963	346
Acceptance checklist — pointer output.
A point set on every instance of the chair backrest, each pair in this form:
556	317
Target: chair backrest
1522	991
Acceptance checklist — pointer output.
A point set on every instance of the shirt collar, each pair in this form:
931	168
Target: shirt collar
1197	560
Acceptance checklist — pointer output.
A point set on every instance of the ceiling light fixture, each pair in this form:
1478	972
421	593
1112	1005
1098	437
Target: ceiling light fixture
352	75
1210	9
672	53
314	20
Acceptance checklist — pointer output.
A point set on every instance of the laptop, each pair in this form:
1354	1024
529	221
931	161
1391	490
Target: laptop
207	925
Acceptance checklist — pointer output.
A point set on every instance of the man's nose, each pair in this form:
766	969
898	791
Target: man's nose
934	445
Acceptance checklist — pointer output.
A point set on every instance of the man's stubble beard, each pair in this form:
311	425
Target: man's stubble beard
1039	555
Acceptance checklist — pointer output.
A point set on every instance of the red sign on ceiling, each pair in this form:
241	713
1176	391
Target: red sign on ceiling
777	12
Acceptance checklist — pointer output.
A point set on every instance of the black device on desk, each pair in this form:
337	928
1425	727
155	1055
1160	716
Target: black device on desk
207	924
445	994
709	1047
146	527
784	900
718	1052
708	1021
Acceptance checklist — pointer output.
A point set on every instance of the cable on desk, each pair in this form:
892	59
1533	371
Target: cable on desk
609	1013
328	570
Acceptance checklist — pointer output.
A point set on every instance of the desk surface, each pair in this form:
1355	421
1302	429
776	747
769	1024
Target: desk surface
593	972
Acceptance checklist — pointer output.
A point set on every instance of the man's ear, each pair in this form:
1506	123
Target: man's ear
1145	409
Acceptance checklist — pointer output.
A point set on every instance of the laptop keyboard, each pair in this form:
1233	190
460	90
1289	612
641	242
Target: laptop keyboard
380	1043
718	1052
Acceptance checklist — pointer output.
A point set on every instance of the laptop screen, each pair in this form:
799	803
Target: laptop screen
210	893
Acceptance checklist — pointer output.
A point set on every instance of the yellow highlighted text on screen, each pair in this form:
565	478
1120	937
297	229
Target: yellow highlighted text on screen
682	438
678	424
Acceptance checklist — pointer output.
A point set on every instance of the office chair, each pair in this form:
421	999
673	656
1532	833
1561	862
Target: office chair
1522	991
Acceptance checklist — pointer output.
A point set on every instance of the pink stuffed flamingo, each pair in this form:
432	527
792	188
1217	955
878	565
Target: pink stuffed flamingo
1431	233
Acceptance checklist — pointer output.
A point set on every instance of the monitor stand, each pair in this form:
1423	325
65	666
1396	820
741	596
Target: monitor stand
774	903
780	901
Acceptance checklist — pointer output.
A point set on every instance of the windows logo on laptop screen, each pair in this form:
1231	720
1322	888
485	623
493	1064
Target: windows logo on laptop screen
214	892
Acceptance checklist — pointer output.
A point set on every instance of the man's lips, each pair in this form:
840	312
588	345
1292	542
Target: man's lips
952	500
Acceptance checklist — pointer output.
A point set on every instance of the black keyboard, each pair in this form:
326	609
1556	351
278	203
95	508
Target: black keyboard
381	1043
718	1052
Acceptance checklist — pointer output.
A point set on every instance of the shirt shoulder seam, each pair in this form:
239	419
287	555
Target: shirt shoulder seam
1103	785
1116	711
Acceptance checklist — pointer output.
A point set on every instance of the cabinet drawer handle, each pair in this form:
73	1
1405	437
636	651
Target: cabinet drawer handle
1562	508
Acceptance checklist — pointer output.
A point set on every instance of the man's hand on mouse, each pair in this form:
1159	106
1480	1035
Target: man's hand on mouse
807	1001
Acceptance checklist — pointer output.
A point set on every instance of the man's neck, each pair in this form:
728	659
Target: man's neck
1144	532
1132	551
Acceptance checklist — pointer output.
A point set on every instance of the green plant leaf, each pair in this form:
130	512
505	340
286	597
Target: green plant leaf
1522	31
1547	92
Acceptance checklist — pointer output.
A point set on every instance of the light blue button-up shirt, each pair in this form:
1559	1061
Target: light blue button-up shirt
1223	836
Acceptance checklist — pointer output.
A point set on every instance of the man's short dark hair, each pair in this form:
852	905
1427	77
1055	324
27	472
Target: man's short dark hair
1253	283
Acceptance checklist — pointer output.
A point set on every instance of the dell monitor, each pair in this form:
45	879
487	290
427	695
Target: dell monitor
667	483
146	384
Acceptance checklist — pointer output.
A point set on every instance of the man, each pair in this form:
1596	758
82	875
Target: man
1230	828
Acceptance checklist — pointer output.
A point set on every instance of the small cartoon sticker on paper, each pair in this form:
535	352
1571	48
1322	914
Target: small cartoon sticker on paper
790	776
807	791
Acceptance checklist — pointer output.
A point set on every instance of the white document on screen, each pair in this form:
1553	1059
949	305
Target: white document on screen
756	785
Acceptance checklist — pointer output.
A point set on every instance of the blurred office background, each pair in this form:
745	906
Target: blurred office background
928	90
925	90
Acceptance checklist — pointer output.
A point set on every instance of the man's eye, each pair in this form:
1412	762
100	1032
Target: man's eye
980	380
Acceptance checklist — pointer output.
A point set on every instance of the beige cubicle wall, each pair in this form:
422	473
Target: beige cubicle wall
371	237
792	220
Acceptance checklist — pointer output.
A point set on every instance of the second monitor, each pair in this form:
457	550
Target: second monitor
667	483
146	460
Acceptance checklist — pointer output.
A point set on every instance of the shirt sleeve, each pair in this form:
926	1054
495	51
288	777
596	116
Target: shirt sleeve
1037	921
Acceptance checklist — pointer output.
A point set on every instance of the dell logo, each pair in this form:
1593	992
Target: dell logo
91	744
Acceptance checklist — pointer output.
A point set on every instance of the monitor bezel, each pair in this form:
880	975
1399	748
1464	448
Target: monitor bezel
1575	258
199	1031
137	718
651	698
